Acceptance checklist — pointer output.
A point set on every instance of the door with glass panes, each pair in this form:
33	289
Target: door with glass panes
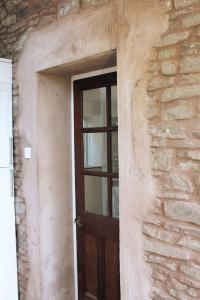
97	187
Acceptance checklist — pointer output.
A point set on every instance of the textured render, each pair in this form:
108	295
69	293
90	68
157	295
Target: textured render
171	126
18	19
172	230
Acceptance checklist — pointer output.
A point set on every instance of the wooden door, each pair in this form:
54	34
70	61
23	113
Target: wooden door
97	187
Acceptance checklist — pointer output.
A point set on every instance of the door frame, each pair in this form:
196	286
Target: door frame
73	78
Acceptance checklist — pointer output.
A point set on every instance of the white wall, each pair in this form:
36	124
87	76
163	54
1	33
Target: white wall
8	265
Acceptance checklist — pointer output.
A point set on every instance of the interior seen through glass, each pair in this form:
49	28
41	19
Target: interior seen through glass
94	108
97	153
96	198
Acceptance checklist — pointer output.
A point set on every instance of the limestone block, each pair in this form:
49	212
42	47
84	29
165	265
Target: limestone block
190	242
10	20
185	228
195	155
189	166
66	7
162	159
166	262
182	3
166	54
10	4
178	182
161	248
183	211
178	285
182	92
190	79
2	13
168	68
159	233
174	38
189	281
166	131
191	21
191	270
192	48
167	5
177	112
160	82
190	64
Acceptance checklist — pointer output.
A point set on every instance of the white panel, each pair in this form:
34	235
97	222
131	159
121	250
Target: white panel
5	124
8	265
5	71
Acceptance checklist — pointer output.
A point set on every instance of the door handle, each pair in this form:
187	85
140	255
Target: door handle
77	221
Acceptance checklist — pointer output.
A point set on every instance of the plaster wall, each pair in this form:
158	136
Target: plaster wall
45	126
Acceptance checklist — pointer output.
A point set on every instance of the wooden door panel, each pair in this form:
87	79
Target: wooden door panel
90	265
112	270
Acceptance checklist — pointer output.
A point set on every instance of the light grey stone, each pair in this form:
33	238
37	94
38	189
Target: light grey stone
190	242
195	155
185	228
181	92
10	20
178	285
2	13
178	182
167	131
183	211
166	262
178	112
153	219
190	79
161	248
65	8
190	65
189	166
191	270
168	68
192	48
162	159
174	195
159	82
174	38
167	5
10	4
191	21
182	3
166	54
159	233
189	281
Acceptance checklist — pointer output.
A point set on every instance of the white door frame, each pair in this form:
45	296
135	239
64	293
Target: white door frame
73	78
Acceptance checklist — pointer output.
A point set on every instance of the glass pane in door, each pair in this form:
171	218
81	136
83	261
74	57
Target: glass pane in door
114	114
95	151
115	198
115	164
94	108
96	196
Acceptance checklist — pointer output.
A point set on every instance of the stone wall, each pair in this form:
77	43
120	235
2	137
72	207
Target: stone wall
172	230
18	18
